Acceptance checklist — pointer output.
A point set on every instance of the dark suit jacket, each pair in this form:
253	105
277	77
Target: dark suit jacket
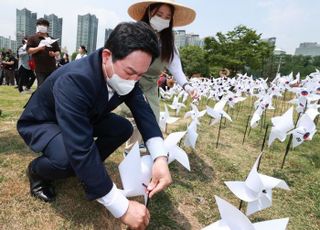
71	101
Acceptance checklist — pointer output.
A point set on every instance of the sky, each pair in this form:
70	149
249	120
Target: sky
290	21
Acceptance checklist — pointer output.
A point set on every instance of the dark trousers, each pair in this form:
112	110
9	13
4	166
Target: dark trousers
9	76
54	164
41	77
26	78
1	76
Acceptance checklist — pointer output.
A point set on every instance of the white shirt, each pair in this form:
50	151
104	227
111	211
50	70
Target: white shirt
79	55
175	68
115	201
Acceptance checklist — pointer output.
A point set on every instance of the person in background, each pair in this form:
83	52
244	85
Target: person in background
69	119
2	54
82	52
26	74
43	55
224	73
162	81
64	60
8	67
162	16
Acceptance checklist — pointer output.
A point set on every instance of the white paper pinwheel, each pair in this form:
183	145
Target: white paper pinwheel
313	111
194	113
256	117
233	219
217	112
165	119
295	81
192	135
256	189
165	94
304	131
233	99
184	96
135	172
281	126
47	42
176	105
174	151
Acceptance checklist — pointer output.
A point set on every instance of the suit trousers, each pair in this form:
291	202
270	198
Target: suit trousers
26	78
110	133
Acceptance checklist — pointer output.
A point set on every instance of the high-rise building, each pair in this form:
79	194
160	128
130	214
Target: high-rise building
25	24
87	32
192	39
55	27
180	38
107	34
7	43
308	49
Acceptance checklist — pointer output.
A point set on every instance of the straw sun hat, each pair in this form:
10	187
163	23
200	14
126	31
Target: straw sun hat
183	15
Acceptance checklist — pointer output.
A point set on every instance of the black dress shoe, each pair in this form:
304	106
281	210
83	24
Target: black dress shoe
40	188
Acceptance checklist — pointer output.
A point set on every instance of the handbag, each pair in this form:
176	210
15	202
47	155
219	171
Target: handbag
32	64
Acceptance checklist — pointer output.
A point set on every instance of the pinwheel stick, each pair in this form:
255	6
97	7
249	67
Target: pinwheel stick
245	131
147	203
240	205
264	140
289	142
219	130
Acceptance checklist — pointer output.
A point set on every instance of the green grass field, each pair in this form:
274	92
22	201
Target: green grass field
189	202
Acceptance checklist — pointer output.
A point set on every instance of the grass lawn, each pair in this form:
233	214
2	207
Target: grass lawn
189	202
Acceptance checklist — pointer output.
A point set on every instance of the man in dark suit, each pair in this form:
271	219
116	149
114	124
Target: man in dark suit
69	120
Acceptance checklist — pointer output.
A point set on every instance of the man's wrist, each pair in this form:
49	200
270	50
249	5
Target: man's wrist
164	158
115	202
156	148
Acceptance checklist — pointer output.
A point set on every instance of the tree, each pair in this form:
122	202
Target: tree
299	64
193	60
73	56
240	50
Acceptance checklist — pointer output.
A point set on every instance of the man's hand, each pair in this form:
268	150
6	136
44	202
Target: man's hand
161	177
137	216
33	50
193	92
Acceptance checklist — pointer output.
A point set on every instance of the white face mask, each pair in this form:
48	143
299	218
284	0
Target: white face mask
159	23
42	29
121	86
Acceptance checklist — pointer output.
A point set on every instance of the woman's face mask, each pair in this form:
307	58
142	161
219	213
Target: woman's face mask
159	24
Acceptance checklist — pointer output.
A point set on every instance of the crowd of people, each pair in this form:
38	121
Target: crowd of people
35	59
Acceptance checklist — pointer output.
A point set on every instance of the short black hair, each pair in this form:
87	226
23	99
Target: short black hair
83	47
24	40
42	21
132	36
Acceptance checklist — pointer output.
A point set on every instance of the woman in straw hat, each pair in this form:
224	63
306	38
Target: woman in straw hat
162	16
